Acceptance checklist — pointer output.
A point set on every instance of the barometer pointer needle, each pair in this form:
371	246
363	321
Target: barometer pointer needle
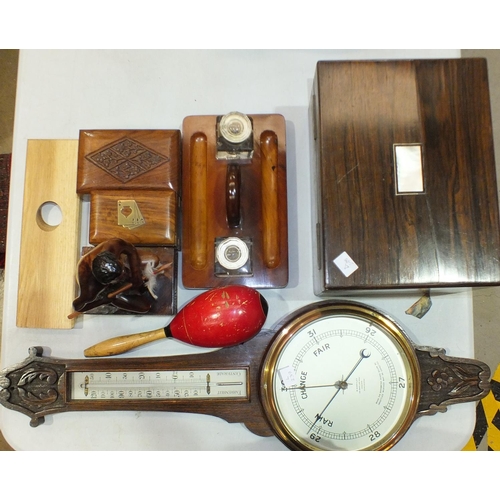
296	387
364	354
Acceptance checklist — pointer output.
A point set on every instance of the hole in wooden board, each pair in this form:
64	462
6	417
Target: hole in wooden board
49	216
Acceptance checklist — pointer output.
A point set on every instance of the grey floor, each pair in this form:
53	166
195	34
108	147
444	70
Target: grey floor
486	301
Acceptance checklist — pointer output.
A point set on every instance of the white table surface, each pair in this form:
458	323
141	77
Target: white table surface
61	92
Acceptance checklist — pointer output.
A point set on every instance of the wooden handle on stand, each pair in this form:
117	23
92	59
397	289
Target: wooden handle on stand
233	189
270	216
198	191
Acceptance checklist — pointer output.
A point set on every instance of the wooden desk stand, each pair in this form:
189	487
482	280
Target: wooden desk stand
235	206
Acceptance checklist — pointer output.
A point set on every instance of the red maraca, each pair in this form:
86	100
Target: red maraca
221	317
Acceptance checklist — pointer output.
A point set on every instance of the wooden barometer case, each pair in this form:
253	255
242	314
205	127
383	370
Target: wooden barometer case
334	375
234	201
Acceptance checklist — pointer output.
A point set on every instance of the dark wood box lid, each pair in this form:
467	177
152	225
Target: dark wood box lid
447	234
128	159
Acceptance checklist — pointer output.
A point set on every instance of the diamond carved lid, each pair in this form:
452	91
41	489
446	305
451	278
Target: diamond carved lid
126	159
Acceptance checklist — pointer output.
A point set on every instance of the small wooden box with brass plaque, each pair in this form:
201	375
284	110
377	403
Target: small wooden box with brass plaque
406	188
147	217
234	201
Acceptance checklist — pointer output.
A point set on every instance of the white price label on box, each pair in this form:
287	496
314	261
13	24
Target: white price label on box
346	265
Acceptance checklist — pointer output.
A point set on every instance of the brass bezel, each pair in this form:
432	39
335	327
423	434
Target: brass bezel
300	319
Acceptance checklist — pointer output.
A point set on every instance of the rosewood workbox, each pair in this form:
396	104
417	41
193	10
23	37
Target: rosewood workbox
405	181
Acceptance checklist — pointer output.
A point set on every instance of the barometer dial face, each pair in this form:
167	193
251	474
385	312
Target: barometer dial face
340	376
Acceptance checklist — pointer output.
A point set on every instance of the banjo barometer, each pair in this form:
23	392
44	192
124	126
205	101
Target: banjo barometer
334	375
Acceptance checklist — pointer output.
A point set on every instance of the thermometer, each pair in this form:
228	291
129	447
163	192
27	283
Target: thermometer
160	385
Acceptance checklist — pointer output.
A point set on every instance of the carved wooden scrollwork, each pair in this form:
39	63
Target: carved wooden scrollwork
126	159
33	386
449	380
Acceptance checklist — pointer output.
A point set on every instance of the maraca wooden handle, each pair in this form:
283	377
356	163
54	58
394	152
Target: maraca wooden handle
118	345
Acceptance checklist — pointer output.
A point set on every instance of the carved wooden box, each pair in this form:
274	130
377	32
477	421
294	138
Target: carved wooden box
405	178
234	201
128	160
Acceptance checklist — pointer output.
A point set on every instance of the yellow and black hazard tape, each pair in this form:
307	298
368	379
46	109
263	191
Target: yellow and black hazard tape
488	418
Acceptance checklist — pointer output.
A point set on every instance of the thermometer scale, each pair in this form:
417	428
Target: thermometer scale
334	375
160	385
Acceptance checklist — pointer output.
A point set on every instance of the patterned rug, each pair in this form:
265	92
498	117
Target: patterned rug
5	160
